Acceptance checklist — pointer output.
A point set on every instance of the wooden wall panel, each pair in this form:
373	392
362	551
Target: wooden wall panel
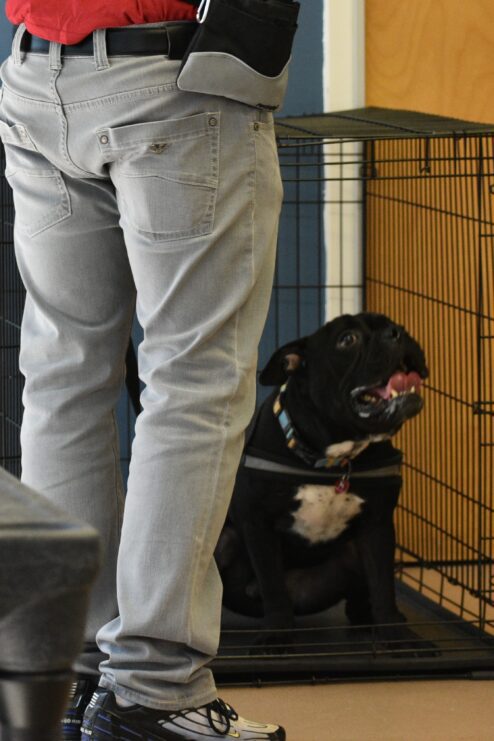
435	56
430	264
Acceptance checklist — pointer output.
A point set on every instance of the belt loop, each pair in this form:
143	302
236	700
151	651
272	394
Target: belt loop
17	54
55	55
100	51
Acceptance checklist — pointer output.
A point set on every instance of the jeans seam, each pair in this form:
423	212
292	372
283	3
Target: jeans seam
216	475
63	125
123	95
31	101
253	220
101	101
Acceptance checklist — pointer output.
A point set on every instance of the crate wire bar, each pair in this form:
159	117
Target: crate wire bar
388	211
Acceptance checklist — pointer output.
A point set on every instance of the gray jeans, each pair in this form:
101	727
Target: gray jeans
132	194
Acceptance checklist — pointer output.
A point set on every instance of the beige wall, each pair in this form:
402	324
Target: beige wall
435	56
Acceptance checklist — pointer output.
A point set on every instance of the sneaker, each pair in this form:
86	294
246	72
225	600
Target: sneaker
104	720
81	693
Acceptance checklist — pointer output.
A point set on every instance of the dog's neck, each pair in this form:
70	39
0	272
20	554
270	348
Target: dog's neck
325	451
329	446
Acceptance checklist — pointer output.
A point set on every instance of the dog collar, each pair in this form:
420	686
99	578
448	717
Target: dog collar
303	451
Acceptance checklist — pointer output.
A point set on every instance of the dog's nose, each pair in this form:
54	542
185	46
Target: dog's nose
392	334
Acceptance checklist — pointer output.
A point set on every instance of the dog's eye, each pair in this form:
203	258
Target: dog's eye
347	340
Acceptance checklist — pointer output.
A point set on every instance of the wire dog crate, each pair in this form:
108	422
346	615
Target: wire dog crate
395	210
387	211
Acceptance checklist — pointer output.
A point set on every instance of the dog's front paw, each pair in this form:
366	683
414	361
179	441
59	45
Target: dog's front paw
272	643
400	642
276	637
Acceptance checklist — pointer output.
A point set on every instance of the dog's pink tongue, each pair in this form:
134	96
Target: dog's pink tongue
401	382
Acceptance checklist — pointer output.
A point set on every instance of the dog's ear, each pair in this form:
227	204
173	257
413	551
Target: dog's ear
285	361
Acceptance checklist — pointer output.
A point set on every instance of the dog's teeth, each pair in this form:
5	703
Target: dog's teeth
370	398
412	390
394	393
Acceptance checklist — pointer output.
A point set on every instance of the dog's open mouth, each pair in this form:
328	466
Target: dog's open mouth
400	388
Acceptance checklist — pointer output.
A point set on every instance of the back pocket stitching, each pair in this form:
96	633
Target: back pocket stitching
210	182
58	212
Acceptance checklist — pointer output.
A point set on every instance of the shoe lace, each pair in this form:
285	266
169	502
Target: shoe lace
226	714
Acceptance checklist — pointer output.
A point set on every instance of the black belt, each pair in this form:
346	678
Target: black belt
171	40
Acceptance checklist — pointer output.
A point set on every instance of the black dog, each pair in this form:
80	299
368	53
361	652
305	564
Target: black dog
311	519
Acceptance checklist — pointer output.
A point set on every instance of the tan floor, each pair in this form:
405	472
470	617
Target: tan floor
446	710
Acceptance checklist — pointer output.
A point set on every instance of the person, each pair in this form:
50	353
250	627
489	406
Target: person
132	195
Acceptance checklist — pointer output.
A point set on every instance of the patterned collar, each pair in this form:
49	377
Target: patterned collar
339	454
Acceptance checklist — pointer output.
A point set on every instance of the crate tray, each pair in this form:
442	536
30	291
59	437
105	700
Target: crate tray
324	647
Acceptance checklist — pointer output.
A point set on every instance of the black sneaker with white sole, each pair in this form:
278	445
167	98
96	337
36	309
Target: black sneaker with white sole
81	693
105	720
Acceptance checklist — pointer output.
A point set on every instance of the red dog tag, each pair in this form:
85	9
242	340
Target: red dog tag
342	485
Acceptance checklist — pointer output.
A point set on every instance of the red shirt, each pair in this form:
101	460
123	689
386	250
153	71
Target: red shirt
69	21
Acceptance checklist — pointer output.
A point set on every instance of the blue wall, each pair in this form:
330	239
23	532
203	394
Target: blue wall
304	94
5	36
295	311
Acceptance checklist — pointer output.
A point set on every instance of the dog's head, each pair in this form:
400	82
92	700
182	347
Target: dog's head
363	372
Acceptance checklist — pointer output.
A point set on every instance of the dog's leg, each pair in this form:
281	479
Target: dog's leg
227	548
376	545
265	552
358	608
375	542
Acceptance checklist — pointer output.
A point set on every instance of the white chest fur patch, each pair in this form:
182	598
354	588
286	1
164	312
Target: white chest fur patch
352	448
323	514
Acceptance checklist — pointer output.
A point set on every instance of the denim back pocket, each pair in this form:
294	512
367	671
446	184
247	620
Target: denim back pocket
17	135
40	195
165	174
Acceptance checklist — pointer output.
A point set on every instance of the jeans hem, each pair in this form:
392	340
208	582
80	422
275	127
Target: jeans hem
178	702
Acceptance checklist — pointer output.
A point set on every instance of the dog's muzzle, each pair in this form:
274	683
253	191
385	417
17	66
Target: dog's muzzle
396	399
